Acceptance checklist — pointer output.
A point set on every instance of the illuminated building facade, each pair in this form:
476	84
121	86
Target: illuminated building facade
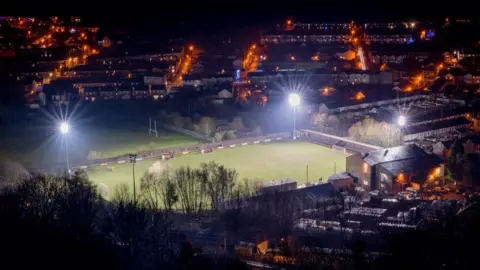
391	170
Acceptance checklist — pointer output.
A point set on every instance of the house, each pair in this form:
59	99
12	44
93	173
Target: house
341	180
225	94
298	199
154	79
192	80
442	149
107	93
390	169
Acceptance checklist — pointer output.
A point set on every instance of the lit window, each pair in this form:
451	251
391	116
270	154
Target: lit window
365	167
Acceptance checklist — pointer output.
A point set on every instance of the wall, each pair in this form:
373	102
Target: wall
354	166
388	183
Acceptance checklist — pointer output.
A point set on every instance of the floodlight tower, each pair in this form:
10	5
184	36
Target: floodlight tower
64	128
133	160
294	101
401	122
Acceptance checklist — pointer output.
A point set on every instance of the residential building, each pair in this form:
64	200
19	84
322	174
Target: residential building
389	170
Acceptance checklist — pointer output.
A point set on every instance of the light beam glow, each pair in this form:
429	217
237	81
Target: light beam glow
294	99
401	121
64	127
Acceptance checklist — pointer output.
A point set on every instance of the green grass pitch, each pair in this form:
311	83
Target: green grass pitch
43	147
270	161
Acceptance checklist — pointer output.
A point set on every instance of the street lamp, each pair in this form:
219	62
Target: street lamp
294	101
64	129
133	160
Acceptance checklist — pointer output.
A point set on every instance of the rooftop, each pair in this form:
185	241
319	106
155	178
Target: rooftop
339	176
394	154
436	125
412	165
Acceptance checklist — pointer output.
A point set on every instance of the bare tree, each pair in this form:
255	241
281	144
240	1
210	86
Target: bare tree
189	189
378	133
217	181
128	221
177	120
206	125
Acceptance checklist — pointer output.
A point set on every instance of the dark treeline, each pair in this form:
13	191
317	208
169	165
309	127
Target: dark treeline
63	222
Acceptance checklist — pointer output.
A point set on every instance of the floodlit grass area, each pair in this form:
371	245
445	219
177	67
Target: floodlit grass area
263	161
111	143
41	147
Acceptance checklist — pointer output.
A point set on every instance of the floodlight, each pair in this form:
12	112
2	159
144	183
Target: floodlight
294	99
64	127
401	121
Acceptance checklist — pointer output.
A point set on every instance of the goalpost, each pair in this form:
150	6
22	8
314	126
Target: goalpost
339	148
152	128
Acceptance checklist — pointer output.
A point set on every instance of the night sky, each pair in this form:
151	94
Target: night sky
207	16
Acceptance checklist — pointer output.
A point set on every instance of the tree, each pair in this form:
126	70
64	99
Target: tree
217	181
207	125
370	131
187	123
177	120
170	196
219	136
246	188
56	216
157	187
333	121
189	189
319	119
230	135
237	124
257	131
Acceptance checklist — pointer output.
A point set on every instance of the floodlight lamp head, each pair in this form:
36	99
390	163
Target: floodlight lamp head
401	121
294	99
64	127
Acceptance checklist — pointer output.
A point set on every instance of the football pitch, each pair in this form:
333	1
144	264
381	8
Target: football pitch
262	162
40	147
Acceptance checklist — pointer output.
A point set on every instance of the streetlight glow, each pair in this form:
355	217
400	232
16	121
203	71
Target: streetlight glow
64	127
401	121
294	99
